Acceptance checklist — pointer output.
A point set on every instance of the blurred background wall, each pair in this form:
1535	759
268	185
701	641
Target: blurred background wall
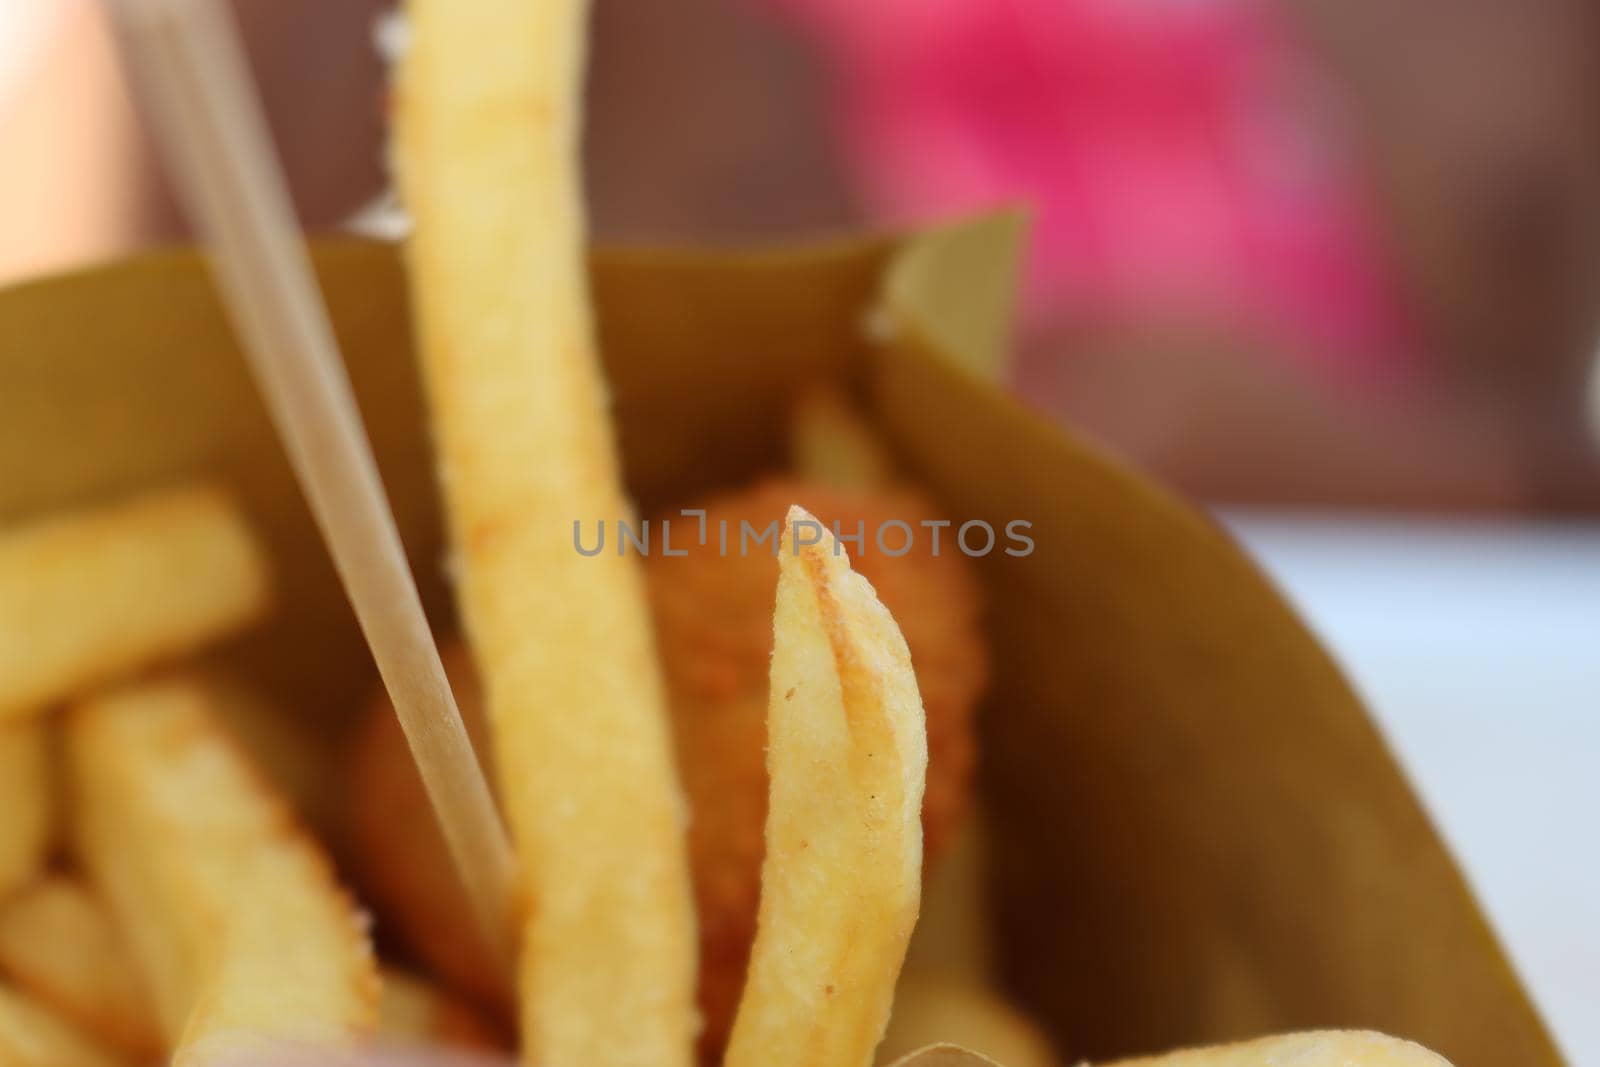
1316	251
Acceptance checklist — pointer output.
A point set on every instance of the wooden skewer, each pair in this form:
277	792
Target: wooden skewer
186	57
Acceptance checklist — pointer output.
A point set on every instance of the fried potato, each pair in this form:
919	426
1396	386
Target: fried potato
842	878
713	619
930	1009
413	1012
32	1037
296	761
230	909
487	131
90	595
831	444
713	615
59	944
27	802
1325	1048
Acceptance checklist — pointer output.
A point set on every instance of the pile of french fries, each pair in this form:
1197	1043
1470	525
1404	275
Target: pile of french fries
188	913
192	913
162	896
163	900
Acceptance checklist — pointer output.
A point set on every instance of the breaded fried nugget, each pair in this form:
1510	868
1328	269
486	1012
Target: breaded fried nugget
713	615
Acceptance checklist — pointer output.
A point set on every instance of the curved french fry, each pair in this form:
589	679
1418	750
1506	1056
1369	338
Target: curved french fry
832	444
847	754
27	802
88	595
1321	1048
230	909
487	129
31	1037
59	943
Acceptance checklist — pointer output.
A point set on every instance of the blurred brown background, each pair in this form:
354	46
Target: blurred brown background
1477	122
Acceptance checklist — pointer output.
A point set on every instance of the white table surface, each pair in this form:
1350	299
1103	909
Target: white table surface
1478	646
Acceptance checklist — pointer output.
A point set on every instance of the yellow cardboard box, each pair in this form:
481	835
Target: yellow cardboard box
1197	833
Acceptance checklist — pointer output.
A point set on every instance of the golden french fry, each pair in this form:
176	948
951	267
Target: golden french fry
846	755
487	159
31	1036
934	1008
296	761
713	615
415	1012
89	595
830	443
713	612
59	943
27	802
231	910
1322	1048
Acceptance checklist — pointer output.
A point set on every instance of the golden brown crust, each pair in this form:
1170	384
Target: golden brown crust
231	909
572	682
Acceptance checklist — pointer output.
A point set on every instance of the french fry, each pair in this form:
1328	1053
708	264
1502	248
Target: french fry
32	1037
831	444
932	1008
295	759
59	944
846	754
27	802
713	616
93	594
713	612
1323	1048
414	1012
230	909
487	138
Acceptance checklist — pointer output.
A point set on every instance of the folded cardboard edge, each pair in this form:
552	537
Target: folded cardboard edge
179	405
1163	687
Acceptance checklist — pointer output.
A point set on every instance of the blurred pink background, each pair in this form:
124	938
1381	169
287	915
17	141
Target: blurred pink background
1337	252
